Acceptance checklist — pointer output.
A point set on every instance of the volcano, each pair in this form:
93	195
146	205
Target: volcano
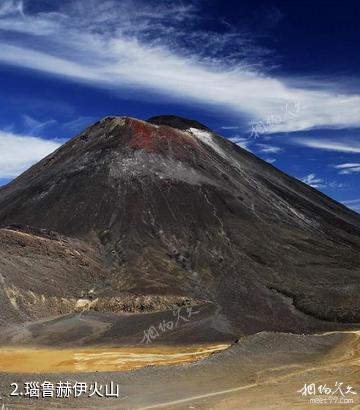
137	216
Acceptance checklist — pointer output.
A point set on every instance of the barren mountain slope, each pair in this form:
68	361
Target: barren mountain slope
172	210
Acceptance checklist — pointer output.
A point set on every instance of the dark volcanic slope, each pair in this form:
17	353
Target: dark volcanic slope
175	210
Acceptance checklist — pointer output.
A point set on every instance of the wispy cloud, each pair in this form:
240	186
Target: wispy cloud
340	145
316	182
335	184
313	181
241	142
230	127
350	171
269	149
161	47
19	152
347	165
11	7
348	168
78	124
34	126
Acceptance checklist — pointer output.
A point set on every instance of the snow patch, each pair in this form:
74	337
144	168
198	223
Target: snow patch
206	138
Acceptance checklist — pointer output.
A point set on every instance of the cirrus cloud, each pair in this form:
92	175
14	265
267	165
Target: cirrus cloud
348	168
346	145
160	47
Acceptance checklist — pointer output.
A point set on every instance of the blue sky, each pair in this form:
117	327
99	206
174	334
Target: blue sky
280	78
